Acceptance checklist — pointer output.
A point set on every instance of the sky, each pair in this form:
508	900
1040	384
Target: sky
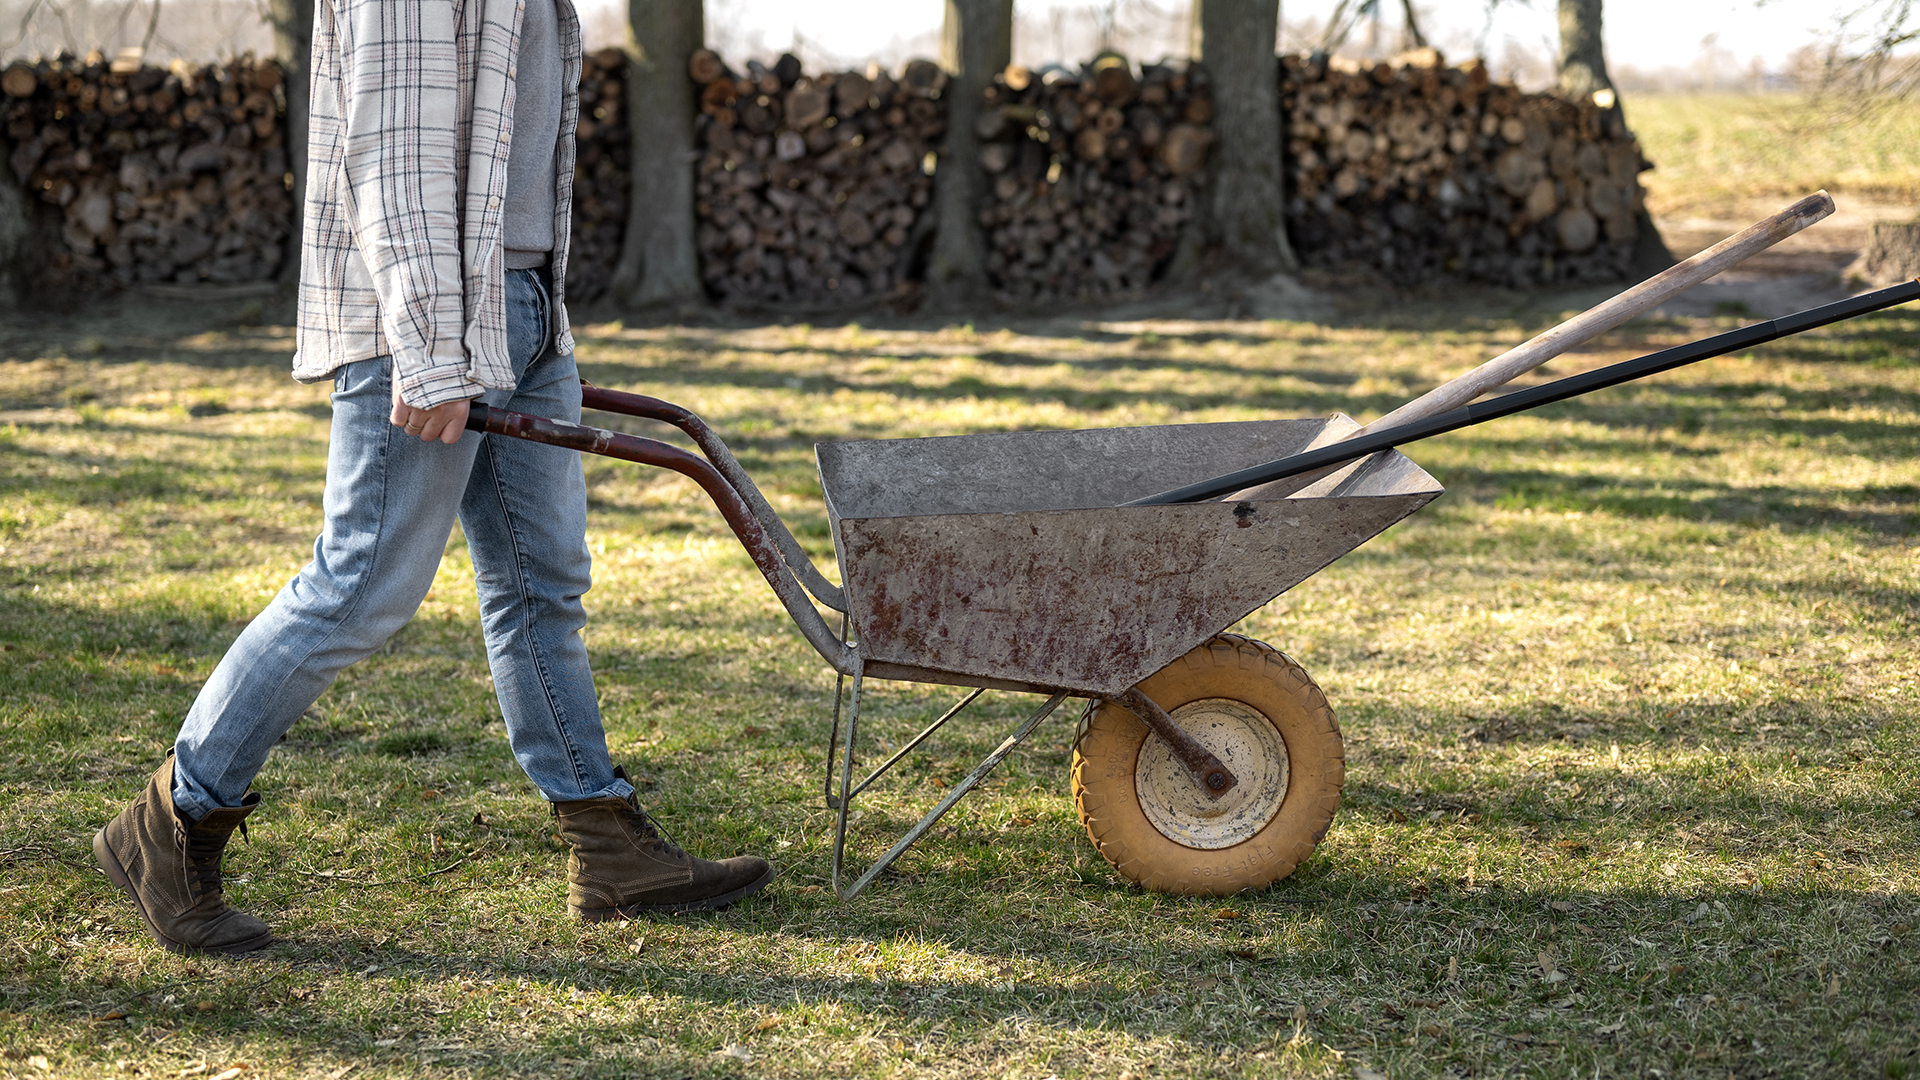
1643	34
1649	36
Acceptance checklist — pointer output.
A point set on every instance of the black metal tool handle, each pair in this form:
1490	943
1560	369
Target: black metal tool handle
1534	397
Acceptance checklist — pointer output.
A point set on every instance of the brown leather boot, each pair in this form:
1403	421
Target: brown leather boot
171	868
621	866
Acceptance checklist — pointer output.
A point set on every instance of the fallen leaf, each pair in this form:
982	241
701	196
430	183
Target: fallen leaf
1613	1028
228	1074
736	1052
429	793
1205	982
39	1062
753	732
1453	969
1833	987
110	1017
203	1006
1433	1031
768	1022
478	821
1228	913
1560	905
1244	954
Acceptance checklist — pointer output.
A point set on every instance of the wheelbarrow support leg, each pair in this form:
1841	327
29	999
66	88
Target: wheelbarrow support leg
1212	774
973	779
845	802
833	736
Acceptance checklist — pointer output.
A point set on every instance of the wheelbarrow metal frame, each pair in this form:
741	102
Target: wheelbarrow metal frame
989	526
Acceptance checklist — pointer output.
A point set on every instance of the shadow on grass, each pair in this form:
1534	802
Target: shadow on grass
1362	952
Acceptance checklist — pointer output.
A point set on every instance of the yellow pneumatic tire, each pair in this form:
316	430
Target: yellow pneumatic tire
1258	711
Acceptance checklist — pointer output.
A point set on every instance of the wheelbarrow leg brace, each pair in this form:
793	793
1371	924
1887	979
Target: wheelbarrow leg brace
622	867
171	868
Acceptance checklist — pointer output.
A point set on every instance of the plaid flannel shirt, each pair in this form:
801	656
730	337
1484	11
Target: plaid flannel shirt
411	117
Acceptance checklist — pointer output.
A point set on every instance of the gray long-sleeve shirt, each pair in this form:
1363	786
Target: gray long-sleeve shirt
528	224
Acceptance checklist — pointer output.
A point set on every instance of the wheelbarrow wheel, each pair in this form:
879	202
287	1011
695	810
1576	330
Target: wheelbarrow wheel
1256	710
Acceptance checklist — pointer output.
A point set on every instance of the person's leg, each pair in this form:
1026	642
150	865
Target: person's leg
525	517
390	504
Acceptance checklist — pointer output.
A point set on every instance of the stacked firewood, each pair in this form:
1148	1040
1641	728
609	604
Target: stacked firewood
1091	175
599	175
171	175
811	189
1414	170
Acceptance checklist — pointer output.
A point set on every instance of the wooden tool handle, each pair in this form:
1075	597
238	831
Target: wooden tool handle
1590	324
1576	331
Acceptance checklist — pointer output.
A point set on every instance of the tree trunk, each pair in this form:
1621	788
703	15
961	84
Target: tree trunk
976	43
1893	254
1583	65
1583	73
658	264
293	49
17	233
1243	220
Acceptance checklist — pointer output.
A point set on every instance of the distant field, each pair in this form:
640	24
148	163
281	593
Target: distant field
1713	149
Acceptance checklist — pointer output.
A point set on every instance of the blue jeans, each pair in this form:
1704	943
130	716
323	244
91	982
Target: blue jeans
391	500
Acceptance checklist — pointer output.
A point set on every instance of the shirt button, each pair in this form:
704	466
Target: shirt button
495	201
513	72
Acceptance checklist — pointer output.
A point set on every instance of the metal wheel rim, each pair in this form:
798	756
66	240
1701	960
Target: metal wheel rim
1247	742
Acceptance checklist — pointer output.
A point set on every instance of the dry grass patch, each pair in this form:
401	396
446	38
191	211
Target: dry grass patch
1715	150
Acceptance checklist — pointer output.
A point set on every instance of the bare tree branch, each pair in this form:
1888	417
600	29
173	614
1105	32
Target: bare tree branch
1860	68
26	27
153	24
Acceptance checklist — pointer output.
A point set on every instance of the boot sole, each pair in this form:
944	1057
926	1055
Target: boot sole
118	875
710	903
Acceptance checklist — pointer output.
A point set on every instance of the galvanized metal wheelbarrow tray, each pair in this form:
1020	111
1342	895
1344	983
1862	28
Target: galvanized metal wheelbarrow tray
1069	563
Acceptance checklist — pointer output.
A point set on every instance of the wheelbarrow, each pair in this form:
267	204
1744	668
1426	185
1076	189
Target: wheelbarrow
1107	565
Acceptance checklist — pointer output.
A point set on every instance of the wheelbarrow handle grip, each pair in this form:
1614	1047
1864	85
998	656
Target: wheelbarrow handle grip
1507	404
760	547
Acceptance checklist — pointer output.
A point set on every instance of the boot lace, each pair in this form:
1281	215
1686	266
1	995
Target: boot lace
203	851
645	827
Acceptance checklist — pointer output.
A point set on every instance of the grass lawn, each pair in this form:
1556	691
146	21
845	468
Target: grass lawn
1630	717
